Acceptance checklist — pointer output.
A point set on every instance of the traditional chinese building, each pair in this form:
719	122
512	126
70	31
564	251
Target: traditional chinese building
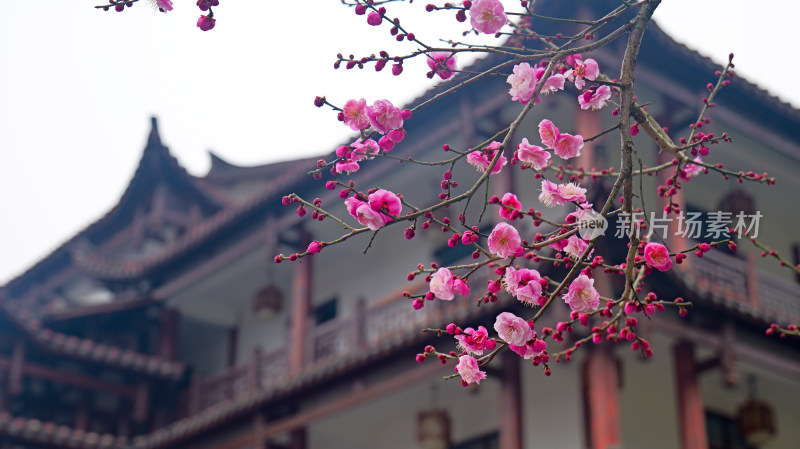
166	323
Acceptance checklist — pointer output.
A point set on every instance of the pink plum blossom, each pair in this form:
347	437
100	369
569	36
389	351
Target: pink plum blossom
475	341
572	59
469	370
445	286
583	70
504	241
353	153
534	155
596	99
513	329
460	287
571	192
374	19
510	201
559	245
582	296
548	133
441	284
523	284
568	146
691	170
487	16
557	194
550	195
384	116
314	247
368	217
363	150
385	201
397	135
530	349
166	5
482	159
352	204
385	143
575	246
364	211
523	82
347	166
553	83
355	114
205	23
442	63
657	256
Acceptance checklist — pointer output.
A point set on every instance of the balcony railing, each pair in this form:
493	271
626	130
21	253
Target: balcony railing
739	284
262	371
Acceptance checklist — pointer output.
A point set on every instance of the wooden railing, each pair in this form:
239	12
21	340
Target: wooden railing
261	372
740	284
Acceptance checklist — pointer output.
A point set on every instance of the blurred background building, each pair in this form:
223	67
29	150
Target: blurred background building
166	323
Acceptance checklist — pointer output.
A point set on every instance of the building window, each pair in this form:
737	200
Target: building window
325	311
723	433
490	441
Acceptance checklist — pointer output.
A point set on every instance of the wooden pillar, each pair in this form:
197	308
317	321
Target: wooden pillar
753	294
691	414
587	125
168	334
510	402
301	308
15	377
298	438
601	389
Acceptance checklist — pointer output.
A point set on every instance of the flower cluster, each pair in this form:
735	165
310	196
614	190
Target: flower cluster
535	73
444	285
377	211
565	145
351	155
525	78
475	341
524	284
441	63
557	194
382	116
482	159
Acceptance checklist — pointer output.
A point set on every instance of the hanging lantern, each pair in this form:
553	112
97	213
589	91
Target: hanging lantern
755	419
268	302
433	429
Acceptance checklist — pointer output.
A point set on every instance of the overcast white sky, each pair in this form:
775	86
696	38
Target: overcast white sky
78	85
